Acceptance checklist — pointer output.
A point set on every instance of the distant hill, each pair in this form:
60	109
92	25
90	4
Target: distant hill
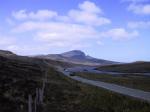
6	53
77	57
136	67
21	76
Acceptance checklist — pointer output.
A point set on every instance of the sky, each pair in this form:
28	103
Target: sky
117	30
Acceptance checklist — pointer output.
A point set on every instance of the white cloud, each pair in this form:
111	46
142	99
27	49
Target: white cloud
88	13
51	26
119	34
90	7
39	15
88	18
100	42
58	34
74	27
73	30
43	14
43	48
140	8
13	48
26	49
6	40
139	24
20	15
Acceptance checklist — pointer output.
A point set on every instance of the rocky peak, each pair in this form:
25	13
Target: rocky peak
74	53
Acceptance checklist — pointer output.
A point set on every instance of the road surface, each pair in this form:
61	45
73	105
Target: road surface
93	70
112	87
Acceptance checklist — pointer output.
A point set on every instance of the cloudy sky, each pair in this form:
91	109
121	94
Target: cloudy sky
116	30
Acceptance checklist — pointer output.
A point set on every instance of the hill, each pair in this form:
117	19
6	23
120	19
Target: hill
136	67
77	57
6	53
18	78
22	76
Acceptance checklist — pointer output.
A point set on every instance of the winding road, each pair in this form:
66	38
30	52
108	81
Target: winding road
112	87
93	70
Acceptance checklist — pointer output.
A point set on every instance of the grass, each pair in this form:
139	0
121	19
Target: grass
19	78
138	67
129	80
66	95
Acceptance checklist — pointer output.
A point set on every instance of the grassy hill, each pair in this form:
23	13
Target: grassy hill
139	81
137	67
77	57
20	76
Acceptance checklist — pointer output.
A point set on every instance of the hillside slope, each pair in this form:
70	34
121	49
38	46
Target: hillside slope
20	76
137	67
18	79
77	57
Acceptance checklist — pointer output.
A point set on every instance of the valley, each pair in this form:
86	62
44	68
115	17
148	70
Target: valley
20	76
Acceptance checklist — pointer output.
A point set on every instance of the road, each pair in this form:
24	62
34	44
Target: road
93	70
112	87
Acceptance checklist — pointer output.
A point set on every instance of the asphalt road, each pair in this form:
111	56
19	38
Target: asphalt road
112	87
92	70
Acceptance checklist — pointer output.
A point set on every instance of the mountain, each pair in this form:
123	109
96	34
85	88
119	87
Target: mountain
77	57
77	54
